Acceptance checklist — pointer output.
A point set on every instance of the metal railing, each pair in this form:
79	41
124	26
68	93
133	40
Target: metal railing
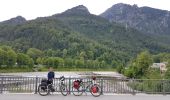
108	85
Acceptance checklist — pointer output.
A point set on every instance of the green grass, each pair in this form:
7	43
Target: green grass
13	70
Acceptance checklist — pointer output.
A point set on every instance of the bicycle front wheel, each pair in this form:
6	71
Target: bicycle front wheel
64	90
77	91
95	90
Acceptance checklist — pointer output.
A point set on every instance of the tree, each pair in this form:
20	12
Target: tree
60	61
139	67
120	68
96	64
54	61
82	55
35	53
50	61
167	74
89	64
79	63
68	62
39	60
102	64
90	55
3	57
49	53
143	62
31	62
129	72
64	53
11	58
24	60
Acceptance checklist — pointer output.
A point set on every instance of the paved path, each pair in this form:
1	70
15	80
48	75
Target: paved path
89	97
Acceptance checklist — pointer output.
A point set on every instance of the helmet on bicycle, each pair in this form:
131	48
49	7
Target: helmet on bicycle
62	78
94	77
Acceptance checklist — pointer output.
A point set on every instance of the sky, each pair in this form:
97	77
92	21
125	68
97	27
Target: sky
31	9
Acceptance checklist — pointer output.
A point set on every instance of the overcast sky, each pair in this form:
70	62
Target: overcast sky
30	9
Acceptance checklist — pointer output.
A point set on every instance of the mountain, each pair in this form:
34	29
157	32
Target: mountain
77	34
81	9
14	21
112	34
145	19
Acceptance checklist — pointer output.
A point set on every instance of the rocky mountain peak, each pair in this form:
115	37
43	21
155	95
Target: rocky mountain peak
145	19
80	10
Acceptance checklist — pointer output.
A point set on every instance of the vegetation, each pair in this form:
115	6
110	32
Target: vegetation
73	40
140	68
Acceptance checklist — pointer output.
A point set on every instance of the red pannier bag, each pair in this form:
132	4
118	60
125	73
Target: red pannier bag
94	89
76	84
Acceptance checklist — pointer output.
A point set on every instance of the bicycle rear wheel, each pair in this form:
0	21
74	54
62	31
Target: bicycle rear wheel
43	90
95	90
77	91
64	90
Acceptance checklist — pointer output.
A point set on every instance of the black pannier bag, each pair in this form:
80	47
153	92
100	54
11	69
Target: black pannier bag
44	80
44	84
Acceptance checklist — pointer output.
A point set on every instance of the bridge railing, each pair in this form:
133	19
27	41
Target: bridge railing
12	84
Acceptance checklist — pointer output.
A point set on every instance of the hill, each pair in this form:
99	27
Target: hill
89	40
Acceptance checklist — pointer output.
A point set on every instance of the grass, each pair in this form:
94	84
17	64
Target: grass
13	70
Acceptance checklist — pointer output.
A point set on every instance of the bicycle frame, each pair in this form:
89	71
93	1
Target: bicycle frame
58	85
54	88
84	87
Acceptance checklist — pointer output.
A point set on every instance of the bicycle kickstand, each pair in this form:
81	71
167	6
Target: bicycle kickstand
85	93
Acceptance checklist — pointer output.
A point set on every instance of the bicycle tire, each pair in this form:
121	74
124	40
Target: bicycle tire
64	90
77	92
98	92
41	89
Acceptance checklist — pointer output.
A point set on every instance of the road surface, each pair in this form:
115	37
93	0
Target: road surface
84	97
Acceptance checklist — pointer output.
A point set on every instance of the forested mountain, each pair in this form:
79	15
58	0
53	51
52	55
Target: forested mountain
14	21
79	38
145	19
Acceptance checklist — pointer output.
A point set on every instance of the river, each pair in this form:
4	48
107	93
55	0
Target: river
66	74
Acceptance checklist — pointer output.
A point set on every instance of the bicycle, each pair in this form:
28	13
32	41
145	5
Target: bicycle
79	87
44	89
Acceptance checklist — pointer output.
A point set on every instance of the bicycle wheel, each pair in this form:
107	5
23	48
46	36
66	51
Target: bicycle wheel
43	90
95	90
64	90
77	91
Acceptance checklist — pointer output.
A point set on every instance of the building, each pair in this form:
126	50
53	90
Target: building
161	66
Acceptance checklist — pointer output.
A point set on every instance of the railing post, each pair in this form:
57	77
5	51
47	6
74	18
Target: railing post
102	86
2	79
133	81
163	87
36	84
69	85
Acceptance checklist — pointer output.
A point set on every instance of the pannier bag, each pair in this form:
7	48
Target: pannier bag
44	84
44	80
94	89
76	84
